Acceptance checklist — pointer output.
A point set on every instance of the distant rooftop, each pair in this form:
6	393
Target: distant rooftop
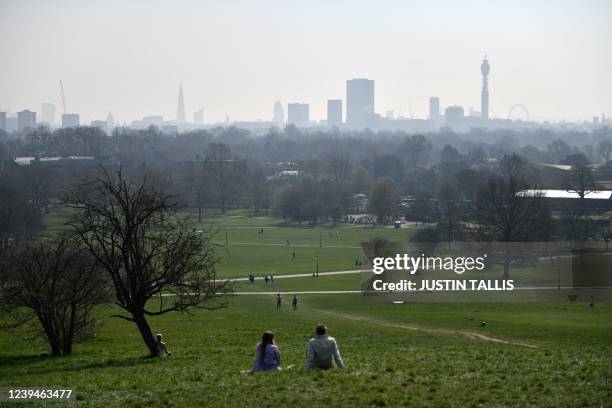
26	161
592	195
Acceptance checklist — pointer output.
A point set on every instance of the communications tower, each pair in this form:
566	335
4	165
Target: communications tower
484	96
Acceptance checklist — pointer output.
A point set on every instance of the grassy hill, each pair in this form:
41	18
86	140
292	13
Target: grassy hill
412	354
421	354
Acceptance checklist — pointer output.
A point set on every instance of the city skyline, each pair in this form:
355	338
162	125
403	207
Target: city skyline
135	55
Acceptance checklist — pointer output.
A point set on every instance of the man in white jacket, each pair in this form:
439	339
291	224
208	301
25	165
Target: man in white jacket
321	349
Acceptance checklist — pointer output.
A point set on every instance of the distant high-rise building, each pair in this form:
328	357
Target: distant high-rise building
298	114
3	121
279	113
101	124
198	117
155	120
11	123
454	115
334	112
26	121
180	109
110	122
434	108
70	120
359	102
47	113
484	97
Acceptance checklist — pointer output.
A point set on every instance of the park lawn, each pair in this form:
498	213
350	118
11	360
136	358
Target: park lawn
389	360
346	282
242	251
242	260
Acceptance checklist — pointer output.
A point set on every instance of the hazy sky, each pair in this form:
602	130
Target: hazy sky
236	58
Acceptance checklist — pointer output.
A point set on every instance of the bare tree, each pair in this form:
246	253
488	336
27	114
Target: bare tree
605	150
508	215
19	220
220	164
580	180
136	235
56	283
383	199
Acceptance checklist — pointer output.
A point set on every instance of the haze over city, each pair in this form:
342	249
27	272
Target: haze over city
235	59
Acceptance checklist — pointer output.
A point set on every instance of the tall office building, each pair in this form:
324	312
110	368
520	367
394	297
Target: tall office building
359	102
26	121
198	117
454	115
47	113
434	108
3	121
70	120
279	113
484	97
298	114
180	109
334	112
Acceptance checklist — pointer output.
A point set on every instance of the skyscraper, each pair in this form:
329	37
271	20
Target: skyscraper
26	121
47	113
2	120
359	102
454	115
298	114
484	97
198	117
70	120
334	112
279	113
434	108
180	110
110	122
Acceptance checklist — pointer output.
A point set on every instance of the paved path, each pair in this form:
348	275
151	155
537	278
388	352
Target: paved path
281	244
302	275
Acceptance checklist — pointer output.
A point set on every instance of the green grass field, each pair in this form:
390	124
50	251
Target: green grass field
412	354
243	251
396	355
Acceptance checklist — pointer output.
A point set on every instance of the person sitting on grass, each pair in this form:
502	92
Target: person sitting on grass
321	349
267	355
163	349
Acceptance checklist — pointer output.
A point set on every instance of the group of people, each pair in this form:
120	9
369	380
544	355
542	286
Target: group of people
251	278
279	301
321	352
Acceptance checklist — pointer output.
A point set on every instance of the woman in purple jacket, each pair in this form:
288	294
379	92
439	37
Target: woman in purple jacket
267	356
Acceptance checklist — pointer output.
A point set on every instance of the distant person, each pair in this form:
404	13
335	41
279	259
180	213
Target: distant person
279	300
321	350
293	255
272	278
267	279
267	354
288	243
295	300
163	349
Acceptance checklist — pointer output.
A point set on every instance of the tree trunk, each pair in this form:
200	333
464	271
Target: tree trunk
506	273
145	332
52	337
